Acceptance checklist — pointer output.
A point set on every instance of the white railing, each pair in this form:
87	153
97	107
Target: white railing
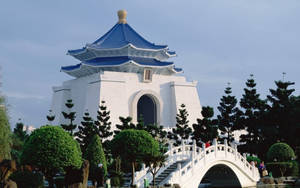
196	157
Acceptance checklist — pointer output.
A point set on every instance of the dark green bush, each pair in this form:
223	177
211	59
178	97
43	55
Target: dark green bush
27	179
280	152
253	158
294	171
117	179
279	169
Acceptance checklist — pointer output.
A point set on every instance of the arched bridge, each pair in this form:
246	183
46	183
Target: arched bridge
189	165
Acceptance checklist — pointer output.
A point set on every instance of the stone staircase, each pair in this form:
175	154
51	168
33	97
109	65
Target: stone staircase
127	180
159	179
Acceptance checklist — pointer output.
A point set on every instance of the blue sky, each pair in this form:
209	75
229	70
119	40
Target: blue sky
217	41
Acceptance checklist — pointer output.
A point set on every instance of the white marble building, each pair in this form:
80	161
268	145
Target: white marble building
131	75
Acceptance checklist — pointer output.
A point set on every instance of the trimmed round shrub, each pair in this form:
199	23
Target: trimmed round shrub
280	152
279	169
27	179
294	171
95	155
51	149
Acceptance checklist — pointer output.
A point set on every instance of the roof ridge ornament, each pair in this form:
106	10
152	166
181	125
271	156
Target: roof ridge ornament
122	16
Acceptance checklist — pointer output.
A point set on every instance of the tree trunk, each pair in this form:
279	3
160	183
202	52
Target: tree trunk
153	179
50	181
133	170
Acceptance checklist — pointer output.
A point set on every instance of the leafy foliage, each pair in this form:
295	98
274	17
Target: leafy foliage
280	152
279	169
126	124
155	162
182	131
28	179
251	118
51	149
69	116
95	155
229	115
205	129
50	117
5	133
134	145
253	158
85	132
19	132
281	117
103	124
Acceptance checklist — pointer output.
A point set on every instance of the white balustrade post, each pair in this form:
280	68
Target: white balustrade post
182	149
178	170
143	166
170	153
235	152
215	143
245	160
194	149
204	151
225	147
253	169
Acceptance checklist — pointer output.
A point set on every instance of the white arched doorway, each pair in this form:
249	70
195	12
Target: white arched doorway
148	104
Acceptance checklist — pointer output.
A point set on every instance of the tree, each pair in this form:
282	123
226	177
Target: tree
159	134
86	131
281	113
126	124
18	138
182	130
19	131
51	150
155	162
5	133
50	117
103	124
253	108
95	155
69	116
134	145
205	129
280	156
229	115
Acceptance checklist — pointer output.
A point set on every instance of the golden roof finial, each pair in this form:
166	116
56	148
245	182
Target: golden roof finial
122	16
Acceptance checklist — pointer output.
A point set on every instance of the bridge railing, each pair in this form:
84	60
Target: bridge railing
174	154
197	157
201	156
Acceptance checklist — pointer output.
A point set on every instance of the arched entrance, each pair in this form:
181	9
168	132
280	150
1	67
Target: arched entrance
147	109
220	176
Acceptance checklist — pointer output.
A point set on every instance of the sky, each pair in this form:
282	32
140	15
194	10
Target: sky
217	41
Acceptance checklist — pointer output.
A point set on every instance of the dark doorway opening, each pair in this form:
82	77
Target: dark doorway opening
146	109
220	176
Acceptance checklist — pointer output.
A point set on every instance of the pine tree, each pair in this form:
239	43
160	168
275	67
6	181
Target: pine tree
125	124
69	116
280	113
252	107
86	131
103	124
182	131
229	115
50	117
205	129
19	131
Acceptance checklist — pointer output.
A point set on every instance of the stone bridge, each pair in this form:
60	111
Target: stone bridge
189	165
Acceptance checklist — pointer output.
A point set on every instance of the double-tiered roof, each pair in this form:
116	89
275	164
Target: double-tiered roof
121	49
